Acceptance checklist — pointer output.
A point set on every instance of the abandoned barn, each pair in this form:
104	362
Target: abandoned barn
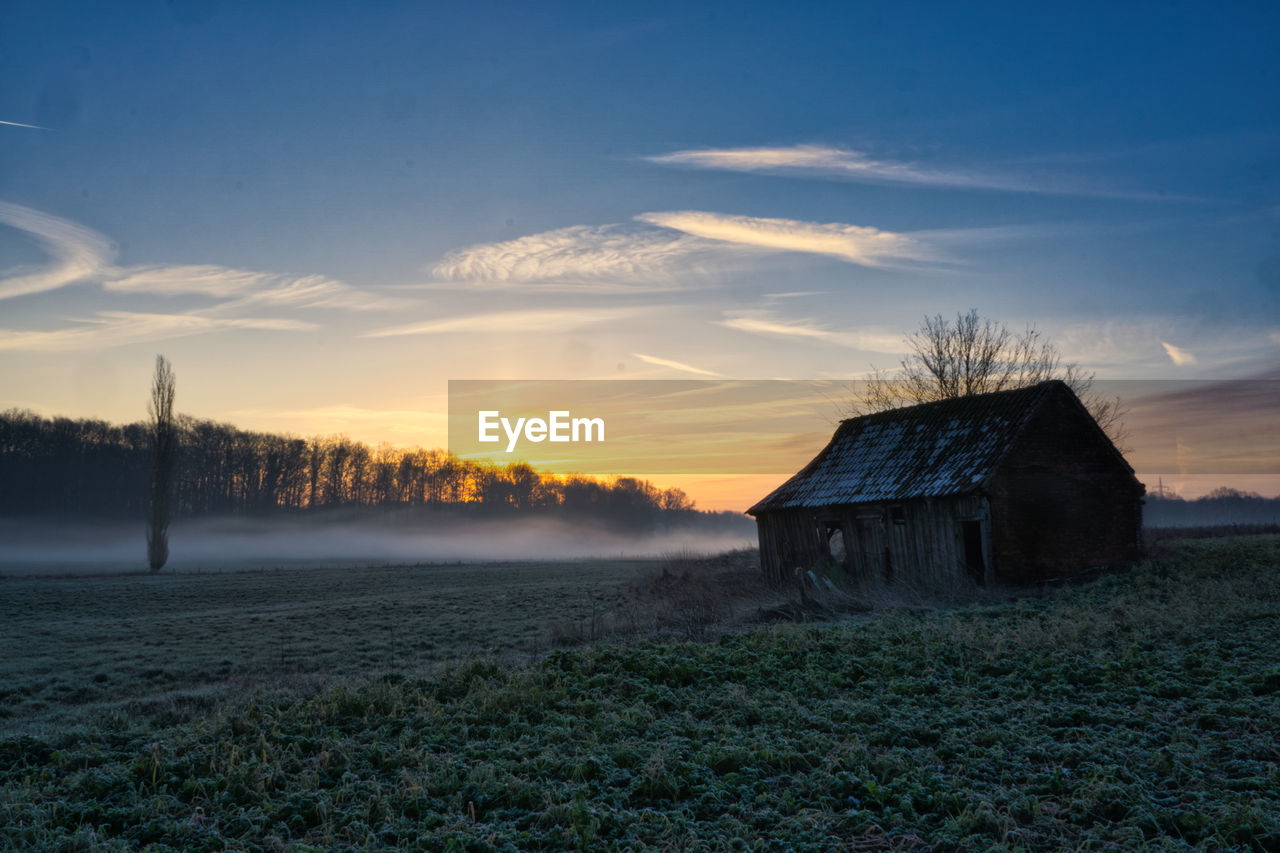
1011	486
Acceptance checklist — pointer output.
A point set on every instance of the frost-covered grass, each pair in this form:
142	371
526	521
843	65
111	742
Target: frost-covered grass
1137	712
74	648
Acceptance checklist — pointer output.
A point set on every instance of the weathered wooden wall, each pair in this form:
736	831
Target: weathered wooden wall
925	549
1062	502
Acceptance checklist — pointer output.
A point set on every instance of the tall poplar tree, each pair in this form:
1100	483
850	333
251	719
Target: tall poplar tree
164	441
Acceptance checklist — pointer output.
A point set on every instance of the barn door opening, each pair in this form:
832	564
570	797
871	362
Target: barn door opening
971	534
835	543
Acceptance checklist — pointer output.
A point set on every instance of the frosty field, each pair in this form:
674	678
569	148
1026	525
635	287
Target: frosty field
75	646
1136	712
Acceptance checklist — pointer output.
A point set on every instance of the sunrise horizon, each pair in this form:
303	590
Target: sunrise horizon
321	240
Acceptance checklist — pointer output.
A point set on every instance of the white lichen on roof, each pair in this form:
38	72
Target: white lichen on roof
931	450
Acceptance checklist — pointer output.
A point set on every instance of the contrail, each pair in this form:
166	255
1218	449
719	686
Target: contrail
20	124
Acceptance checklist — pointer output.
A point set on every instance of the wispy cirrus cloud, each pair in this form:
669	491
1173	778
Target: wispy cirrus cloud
764	325
664	249
792	294
770	325
1139	346
247	287
856	244
505	322
674	365
1178	355
116	328
317	291
576	254
80	254
185	280
827	161
77	253
824	161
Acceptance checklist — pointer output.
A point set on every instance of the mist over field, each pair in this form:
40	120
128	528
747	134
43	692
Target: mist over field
45	547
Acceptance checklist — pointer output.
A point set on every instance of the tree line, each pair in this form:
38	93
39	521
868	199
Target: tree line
87	467
1221	506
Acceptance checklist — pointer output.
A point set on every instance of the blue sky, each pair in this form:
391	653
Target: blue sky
321	212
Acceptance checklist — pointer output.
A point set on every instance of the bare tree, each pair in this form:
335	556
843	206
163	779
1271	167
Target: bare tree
974	355
164	440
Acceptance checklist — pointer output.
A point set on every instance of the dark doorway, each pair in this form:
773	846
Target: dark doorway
971	533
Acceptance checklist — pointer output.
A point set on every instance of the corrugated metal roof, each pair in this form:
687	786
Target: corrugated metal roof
930	450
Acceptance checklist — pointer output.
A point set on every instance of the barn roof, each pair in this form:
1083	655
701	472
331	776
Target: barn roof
948	447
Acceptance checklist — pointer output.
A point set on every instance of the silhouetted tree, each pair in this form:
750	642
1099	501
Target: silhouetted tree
974	355
163	447
675	500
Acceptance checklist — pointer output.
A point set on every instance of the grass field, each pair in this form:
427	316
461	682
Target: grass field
80	646
1137	712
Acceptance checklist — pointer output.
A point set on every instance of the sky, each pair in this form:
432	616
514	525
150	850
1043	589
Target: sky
323	212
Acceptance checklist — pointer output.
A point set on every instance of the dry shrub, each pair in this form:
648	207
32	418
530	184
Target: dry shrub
600	620
688	594
828	590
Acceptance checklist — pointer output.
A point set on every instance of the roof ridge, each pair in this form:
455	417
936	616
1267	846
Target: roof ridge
959	400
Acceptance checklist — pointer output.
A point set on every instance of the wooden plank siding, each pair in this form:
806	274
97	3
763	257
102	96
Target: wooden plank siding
924	549
1063	505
